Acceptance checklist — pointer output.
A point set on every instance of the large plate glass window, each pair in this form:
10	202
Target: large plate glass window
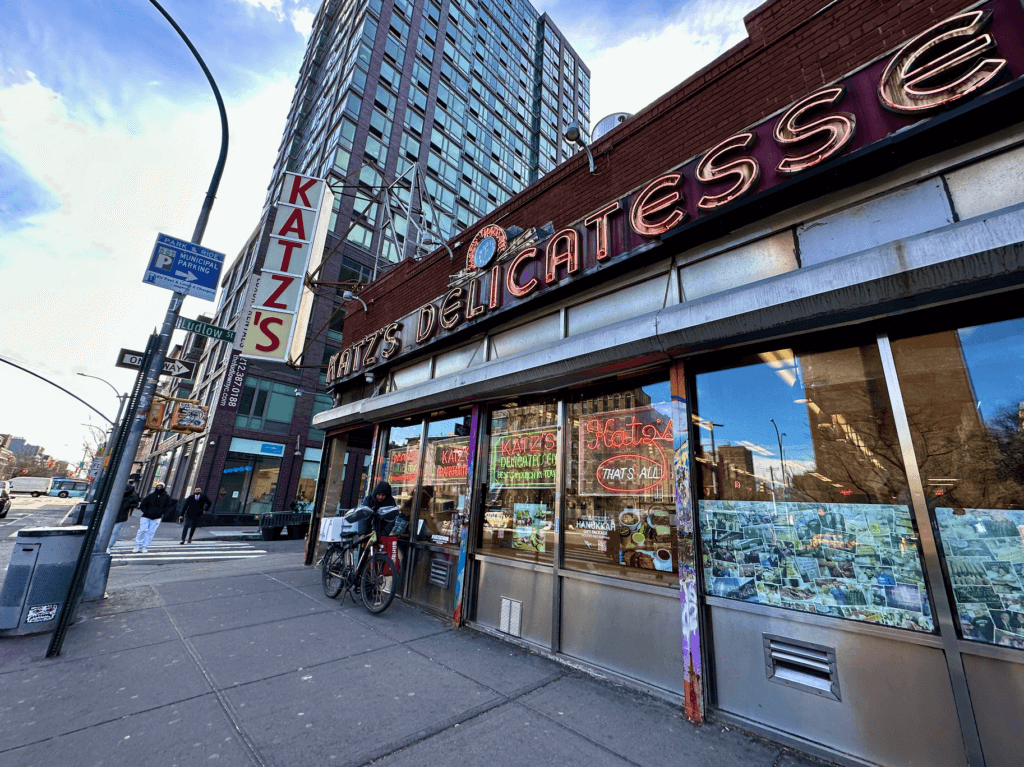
802	494
401	462
519	509
620	503
442	507
964	394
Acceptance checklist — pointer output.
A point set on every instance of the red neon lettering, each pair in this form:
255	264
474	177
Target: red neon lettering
299	190
512	274
473	306
494	299
744	170
836	129
648	203
272	302
569	256
295	223
599	221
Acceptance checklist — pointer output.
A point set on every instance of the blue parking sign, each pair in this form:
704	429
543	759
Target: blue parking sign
184	267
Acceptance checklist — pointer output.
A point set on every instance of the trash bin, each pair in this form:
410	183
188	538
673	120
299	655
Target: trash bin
38	578
82	513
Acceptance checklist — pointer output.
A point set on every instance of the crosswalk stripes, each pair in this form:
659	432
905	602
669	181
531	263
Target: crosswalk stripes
171	552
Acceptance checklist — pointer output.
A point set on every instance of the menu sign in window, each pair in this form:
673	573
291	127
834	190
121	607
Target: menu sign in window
628	452
403	464
448	462
524	459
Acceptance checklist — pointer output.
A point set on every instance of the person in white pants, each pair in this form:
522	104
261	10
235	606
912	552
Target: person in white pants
153	507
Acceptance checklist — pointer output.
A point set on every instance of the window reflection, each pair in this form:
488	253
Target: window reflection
964	395
803	497
402	463
519	510
442	503
620	506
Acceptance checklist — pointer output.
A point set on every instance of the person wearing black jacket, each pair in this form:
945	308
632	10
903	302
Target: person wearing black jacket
129	501
380	497
191	510
153	506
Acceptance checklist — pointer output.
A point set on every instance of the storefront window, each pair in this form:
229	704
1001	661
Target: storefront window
442	506
305	493
402	462
248	484
620	506
964	395
519	510
803	496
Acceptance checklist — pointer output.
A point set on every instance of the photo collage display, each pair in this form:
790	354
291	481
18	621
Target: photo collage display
984	552
854	561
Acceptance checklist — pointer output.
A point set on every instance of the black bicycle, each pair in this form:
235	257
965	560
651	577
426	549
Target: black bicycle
358	562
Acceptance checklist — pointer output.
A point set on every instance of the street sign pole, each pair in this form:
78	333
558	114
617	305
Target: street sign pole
154	369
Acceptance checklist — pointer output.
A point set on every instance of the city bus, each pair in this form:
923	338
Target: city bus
68	488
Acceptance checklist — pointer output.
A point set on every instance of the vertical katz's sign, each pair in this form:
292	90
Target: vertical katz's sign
524	459
628	452
279	314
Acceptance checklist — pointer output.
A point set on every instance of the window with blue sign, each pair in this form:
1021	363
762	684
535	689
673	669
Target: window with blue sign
266	406
249	482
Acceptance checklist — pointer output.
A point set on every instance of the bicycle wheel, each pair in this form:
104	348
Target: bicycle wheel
378	583
333	571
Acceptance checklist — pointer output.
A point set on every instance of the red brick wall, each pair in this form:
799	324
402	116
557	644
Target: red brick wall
794	46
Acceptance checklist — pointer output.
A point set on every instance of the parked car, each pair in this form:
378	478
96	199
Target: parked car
5	498
36	486
65	488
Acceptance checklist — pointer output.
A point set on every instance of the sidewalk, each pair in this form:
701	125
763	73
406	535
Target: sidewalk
261	669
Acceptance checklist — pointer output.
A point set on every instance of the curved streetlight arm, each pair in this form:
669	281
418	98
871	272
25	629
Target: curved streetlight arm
211	193
97	412
116	392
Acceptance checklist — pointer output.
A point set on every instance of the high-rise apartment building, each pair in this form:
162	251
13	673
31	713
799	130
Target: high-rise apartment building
424	116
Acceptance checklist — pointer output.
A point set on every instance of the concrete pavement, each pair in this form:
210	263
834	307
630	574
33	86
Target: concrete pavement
256	667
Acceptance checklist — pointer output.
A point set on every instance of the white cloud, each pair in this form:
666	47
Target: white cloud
631	75
302	20
72	278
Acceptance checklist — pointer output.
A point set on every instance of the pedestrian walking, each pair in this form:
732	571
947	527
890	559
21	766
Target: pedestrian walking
129	501
153	506
191	510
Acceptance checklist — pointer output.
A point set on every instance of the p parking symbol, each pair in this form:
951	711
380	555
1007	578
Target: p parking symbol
164	259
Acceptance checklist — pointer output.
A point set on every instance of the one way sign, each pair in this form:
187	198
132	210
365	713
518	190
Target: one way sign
127	358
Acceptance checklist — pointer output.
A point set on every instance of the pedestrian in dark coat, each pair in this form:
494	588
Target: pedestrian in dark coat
129	501
153	506
380	497
191	510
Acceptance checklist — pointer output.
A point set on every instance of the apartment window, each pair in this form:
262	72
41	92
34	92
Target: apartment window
266	406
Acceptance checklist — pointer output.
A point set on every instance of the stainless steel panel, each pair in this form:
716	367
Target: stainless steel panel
897	706
533	589
423	590
636	634
894	216
620	304
988	185
459	359
997	694
543	331
747	263
412	374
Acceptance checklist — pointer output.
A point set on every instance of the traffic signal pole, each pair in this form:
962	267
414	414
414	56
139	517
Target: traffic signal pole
99	568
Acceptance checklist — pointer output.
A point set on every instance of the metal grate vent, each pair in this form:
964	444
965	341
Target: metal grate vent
511	617
805	666
439	570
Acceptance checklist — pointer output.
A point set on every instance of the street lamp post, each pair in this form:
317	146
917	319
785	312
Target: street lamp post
99	569
782	453
121	399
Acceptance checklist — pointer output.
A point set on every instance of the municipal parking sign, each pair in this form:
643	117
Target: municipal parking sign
184	267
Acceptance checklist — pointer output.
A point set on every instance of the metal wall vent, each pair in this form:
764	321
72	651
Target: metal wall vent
439	570
805	666
511	617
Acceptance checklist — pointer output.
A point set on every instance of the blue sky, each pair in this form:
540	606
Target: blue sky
108	135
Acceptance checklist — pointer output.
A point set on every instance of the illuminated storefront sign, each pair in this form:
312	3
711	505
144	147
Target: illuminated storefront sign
628	452
524	459
949	62
448	462
403	467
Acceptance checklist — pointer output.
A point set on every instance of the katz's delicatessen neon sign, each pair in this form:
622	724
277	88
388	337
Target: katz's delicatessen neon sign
953	60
